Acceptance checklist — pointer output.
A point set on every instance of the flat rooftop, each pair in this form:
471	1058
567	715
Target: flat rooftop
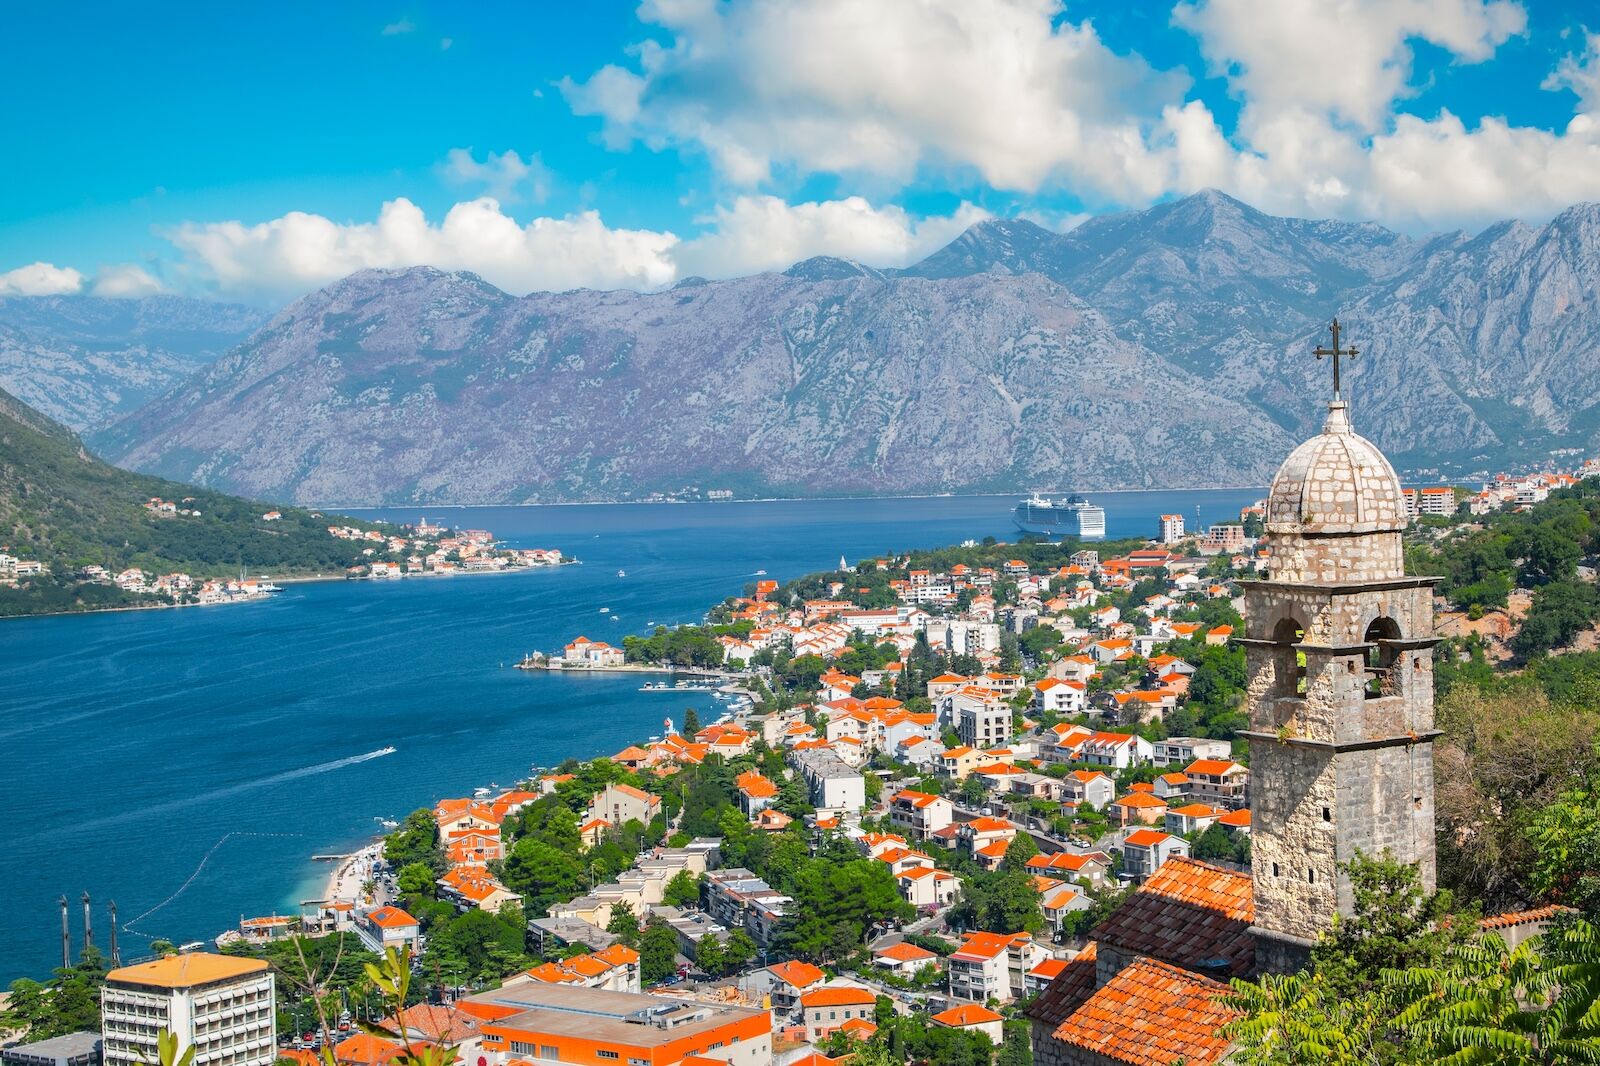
603	1015
69	1046
186	971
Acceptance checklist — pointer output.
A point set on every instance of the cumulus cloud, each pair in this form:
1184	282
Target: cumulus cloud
396	28
504	175
1350	59
287	256
1008	88
1580	73
40	279
125	280
1018	94
301	251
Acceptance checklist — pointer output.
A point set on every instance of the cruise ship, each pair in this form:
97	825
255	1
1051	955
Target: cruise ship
1074	516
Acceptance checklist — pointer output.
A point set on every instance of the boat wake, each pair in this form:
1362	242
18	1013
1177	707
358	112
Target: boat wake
234	790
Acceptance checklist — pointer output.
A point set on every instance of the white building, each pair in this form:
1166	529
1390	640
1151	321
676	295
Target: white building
222	1007
1171	531
834	784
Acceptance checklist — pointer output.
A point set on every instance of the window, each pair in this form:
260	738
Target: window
604	1054
547	1051
1311	877
1274	869
1327	814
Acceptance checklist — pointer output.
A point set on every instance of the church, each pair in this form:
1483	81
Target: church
1338	648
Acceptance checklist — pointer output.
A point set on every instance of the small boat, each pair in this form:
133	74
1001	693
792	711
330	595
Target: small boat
622	573
388	823
605	610
761	573
480	792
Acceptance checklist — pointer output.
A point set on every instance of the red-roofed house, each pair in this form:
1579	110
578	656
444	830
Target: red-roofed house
1221	783
974	1017
904	958
1144	851
825	1009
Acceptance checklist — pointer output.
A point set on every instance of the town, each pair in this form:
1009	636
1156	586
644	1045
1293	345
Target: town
973	804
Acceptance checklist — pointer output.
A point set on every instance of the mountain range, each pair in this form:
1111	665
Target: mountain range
1165	347
86	361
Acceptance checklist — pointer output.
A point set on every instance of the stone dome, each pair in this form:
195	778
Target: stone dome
1336	482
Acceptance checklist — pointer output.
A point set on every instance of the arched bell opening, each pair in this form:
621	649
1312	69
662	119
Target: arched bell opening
1382	677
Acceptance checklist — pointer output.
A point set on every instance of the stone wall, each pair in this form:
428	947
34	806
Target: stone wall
1327	558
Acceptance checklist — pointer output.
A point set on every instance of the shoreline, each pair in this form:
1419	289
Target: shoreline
344	883
263	597
778	499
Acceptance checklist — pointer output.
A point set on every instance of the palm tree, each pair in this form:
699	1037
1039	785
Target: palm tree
1292	1020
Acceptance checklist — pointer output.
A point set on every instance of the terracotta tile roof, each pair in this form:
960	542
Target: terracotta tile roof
837	996
1538	914
1214	767
1067	991
797	973
1236	819
905	952
965	1014
1144	838
1189	912
1049	969
1140	799
1152	1014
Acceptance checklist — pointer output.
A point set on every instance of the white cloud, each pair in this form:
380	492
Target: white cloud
299	251
1007	88
1016	93
1580	73
761	233
504	175
125	280
394	29
288	256
40	279
1347	58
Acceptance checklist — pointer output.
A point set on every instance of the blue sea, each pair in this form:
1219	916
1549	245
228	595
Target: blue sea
189	763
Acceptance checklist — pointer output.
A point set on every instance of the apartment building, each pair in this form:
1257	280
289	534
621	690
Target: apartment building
222	1007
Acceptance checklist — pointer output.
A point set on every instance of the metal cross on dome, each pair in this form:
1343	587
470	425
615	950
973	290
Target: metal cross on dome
1336	352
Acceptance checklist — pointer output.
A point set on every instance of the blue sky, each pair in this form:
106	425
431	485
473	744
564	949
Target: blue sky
250	153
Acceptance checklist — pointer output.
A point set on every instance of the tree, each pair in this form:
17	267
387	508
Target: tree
416	840
973	792
624	924
416	879
68	1003
709	956
658	952
1017	1050
1018	852
683	890
739	950
691	722
541	875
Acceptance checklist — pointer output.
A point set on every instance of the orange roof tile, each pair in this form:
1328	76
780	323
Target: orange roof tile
905	952
797	973
837	996
965	1014
1067	991
1236	819
1150	1013
1211	766
1187	913
1144	838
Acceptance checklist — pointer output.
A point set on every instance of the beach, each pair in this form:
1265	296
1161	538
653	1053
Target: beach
351	873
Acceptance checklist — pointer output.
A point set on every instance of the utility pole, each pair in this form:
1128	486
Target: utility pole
66	937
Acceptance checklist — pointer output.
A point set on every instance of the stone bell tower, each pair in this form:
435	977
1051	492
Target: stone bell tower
1340	688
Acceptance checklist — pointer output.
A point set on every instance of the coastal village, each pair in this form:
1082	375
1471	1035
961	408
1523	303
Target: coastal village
422	549
989	803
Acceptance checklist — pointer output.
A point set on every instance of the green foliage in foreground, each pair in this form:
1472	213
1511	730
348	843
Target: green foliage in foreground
1407	980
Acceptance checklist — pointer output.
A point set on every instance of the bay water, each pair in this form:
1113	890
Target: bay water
189	763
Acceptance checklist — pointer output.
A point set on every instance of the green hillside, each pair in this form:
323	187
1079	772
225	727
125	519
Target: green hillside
62	506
